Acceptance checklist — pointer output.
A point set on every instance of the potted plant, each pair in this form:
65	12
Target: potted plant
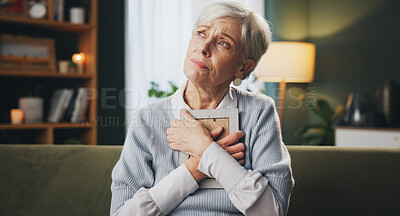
32	106
322	133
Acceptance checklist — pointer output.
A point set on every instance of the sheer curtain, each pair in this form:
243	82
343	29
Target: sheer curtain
157	35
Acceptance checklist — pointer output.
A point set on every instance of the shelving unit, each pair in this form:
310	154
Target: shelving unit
82	37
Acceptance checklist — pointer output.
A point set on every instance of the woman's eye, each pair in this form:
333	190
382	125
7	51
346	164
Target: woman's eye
225	44
201	34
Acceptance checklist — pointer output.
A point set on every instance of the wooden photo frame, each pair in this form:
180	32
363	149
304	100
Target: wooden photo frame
212	119
17	8
22	53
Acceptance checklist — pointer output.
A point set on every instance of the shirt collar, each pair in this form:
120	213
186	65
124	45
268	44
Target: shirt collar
229	101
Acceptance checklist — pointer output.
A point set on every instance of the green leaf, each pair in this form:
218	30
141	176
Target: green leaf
324	111
155	91
304	129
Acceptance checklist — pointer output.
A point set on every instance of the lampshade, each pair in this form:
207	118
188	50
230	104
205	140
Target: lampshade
288	62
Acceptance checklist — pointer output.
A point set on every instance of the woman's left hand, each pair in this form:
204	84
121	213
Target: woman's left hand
189	136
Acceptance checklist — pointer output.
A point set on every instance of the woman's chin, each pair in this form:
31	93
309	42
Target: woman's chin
193	74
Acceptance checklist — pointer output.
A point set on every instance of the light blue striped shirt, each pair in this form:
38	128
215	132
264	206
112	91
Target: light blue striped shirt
146	157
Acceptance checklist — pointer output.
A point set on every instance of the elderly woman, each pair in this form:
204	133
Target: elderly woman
228	41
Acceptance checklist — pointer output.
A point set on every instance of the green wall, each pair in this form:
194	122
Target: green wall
357	48
111	61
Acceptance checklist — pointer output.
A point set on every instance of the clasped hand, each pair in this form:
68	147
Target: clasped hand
193	138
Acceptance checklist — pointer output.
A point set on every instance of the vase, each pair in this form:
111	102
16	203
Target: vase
33	109
77	15
388	103
359	110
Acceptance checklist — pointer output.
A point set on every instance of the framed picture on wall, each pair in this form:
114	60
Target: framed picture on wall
14	8
23	53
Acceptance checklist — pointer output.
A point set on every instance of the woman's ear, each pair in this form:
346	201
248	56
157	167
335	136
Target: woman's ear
247	66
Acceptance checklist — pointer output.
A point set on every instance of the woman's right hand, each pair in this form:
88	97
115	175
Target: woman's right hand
227	143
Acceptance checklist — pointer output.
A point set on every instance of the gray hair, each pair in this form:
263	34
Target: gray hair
256	33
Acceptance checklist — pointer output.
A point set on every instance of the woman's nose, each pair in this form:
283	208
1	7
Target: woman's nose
205	53
205	49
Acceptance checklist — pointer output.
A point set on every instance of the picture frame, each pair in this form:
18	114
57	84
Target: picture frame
212	119
18	8
24	53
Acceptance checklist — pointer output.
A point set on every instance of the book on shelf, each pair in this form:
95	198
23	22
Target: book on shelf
59	103
81	102
68	112
58	8
68	105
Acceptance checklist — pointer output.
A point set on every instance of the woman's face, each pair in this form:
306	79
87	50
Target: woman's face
214	57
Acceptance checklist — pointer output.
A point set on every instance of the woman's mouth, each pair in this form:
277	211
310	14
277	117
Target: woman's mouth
199	64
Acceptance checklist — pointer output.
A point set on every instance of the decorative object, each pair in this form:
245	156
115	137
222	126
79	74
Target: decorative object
237	82
359	111
79	60
37	9
63	66
155	91
32	105
285	62
388	103
322	133
24	53
33	109
13	8
72	67
77	10
77	15
17	116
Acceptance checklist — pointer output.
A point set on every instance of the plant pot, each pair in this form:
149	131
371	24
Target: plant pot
33	109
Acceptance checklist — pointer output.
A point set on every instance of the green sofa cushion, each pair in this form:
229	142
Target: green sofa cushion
75	180
345	181
56	180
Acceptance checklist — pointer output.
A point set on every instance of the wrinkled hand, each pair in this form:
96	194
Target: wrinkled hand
193	138
189	136
191	164
185	135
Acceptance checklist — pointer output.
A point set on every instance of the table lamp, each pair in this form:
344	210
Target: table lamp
287	62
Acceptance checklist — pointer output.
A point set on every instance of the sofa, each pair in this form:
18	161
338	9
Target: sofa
75	180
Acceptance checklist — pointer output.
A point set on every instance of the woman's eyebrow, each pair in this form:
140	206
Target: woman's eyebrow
205	26
228	36
222	33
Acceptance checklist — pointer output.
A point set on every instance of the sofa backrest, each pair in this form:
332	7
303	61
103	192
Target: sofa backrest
75	180
345	181
56	180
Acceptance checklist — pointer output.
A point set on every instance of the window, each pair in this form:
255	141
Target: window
157	35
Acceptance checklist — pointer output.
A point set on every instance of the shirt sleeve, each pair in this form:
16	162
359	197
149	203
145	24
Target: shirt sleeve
132	187
141	204
163	197
247	189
